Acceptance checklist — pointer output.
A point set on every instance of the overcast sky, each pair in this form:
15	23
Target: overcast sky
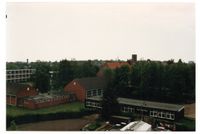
54	31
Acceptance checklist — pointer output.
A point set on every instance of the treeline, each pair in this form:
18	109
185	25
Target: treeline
54	75
156	81
170	81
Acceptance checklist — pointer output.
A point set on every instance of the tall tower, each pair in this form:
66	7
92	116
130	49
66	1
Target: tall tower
134	58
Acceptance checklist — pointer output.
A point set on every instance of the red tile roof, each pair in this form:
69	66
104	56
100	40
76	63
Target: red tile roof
114	65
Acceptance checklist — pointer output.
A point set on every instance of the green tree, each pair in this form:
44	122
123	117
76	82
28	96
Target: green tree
163	81
110	105
65	73
42	77
87	69
121	80
108	74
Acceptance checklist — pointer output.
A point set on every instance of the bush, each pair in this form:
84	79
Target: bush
94	126
28	118
13	125
185	124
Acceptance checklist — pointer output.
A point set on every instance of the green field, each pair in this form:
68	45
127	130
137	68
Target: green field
70	107
186	124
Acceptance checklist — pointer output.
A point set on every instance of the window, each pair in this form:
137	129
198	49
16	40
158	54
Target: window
89	94
97	104
167	115
92	103
172	116
159	114
129	109
99	92
125	109
151	113
163	115
87	103
132	110
154	113
94	93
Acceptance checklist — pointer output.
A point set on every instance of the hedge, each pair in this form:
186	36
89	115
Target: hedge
29	118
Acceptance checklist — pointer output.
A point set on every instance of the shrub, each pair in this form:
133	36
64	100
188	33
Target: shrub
28	118
13	125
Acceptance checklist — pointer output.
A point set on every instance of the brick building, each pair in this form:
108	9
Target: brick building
86	87
16	92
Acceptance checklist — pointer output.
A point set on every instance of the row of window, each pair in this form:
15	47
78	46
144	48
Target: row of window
20	71
165	115
18	76
128	109
93	104
95	92
132	110
16	80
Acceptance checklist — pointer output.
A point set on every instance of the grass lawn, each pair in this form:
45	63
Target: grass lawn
93	126
186	124
70	107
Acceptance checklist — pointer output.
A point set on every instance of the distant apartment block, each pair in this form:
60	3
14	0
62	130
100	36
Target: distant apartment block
19	75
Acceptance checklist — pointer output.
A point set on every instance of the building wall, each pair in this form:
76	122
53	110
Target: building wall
29	91
77	89
17	99
11	100
154	113
19	75
31	104
94	92
93	104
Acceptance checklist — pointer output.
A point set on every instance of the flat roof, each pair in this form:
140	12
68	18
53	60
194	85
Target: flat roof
43	97
144	103
150	104
137	126
120	117
96	98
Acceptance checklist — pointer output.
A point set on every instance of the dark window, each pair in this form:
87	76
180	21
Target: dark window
88	93
94	93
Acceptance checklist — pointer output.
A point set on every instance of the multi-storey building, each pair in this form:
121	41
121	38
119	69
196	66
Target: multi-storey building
19	75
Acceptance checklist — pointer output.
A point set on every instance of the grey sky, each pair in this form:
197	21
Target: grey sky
54	31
